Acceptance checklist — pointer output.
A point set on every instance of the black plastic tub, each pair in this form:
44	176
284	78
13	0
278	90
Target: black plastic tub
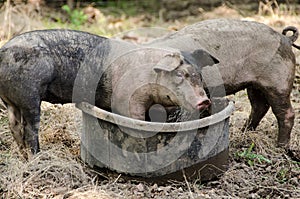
157	151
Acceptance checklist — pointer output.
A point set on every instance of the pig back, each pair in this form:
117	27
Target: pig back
228	40
48	61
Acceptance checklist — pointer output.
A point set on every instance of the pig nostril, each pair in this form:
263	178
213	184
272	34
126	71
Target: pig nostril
203	104
206	102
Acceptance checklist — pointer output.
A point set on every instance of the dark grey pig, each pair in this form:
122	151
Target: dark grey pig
62	66
36	66
251	56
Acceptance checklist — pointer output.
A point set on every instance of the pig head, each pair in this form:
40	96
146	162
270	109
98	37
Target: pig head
147	76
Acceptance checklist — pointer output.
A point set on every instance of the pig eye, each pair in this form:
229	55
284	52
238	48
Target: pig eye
180	74
196	77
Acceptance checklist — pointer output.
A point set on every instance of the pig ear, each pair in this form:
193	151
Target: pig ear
200	58
168	63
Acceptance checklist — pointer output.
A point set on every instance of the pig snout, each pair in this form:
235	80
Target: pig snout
203	103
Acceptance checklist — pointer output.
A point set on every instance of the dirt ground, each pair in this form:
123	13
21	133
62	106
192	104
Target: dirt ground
58	172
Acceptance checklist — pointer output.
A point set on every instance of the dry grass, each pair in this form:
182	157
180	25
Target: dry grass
57	172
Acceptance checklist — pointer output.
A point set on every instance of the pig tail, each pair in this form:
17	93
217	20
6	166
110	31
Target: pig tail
294	37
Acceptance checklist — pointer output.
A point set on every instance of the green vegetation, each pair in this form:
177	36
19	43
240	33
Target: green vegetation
250	157
133	7
282	175
76	17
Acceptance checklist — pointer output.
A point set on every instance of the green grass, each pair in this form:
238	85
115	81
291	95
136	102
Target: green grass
132	7
76	16
282	175
249	156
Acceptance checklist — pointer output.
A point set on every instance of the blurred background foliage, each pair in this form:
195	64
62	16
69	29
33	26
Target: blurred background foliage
109	17
133	7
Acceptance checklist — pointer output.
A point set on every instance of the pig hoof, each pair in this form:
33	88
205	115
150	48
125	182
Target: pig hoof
283	145
294	154
26	154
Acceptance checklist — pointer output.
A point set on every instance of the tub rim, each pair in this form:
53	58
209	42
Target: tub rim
156	126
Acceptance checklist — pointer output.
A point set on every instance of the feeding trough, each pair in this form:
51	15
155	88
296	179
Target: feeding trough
154	150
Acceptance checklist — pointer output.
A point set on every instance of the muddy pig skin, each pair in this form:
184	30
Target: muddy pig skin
64	66
36	66
251	56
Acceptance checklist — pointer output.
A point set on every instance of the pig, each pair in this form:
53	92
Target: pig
65	66
251	56
36	66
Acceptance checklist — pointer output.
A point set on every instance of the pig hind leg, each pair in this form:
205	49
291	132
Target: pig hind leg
16	125
283	110
259	107
24	125
278	95
281	107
